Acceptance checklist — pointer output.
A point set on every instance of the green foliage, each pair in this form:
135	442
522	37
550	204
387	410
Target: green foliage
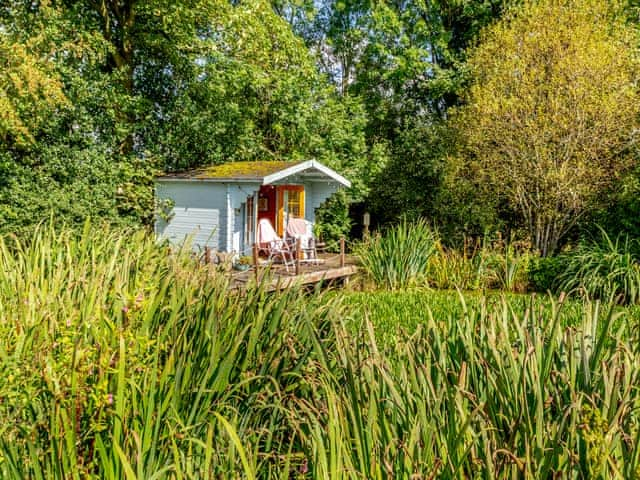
119	360
68	167
405	63
410	181
399	257
606	269
545	272
496	389
481	265
621	213
332	219
551	113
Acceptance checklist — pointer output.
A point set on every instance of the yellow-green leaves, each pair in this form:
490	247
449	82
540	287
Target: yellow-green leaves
552	109
29	91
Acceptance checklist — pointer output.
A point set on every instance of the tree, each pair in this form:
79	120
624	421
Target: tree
98	95
553	111
403	61
30	90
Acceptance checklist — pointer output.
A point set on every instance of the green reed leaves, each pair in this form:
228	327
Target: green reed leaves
122	359
604	269
399	257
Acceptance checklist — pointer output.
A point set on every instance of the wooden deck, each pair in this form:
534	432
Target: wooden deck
329	268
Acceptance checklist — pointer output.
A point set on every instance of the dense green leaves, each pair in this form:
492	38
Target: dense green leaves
552	112
99	96
111	92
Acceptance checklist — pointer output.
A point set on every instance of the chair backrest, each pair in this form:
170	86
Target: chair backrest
268	238
266	233
297	227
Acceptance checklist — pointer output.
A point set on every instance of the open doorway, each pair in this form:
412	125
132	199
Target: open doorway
267	207
279	203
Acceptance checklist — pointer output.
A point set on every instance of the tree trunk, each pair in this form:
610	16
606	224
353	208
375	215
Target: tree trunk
118	21
545	235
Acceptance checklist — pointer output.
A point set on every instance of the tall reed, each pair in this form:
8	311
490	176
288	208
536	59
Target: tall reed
604	269
399	257
120	360
491	394
451	269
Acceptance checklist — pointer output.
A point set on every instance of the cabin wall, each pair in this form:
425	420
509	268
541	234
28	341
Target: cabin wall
199	211
213	214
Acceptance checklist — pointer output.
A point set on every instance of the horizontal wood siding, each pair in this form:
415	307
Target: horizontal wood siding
199	212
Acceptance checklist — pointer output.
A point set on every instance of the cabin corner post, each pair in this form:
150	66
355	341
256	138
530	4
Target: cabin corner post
230	219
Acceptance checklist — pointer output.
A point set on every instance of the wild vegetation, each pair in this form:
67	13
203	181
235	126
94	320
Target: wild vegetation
412	254
550	120
101	96
122	361
494	144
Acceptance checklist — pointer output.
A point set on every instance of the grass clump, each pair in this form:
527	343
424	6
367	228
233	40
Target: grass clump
605	269
399	257
491	392
412	254
120	361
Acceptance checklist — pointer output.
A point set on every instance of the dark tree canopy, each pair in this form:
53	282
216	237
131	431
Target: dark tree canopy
97	96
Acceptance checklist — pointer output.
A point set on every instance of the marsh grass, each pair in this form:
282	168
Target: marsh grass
399	257
399	314
122	359
411	254
604	268
494	391
479	266
451	269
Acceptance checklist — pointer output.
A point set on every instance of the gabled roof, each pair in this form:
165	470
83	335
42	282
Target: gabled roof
264	173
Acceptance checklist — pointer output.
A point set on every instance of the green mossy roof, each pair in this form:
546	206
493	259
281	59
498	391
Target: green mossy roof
235	170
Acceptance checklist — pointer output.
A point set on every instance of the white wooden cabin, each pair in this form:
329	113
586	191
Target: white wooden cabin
220	206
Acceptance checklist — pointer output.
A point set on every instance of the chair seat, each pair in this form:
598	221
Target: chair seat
275	246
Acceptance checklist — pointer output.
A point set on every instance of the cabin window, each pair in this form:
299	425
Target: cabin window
291	205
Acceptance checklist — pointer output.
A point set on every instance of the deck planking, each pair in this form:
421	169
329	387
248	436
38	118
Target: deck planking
278	278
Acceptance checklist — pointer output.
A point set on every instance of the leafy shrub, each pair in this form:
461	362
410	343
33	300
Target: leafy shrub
544	273
604	269
399	257
510	267
332	219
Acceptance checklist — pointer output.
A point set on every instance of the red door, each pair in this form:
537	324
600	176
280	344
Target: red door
267	207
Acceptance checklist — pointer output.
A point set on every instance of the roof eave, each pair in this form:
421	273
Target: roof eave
266	179
287	172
